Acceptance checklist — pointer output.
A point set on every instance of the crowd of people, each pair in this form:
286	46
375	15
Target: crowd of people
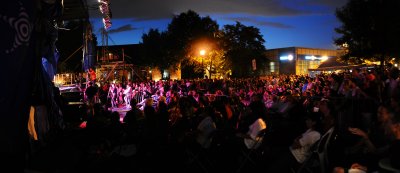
356	112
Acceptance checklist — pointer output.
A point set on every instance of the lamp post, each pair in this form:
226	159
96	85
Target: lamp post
202	53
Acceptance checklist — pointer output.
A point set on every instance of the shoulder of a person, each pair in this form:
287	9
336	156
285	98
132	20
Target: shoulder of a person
315	133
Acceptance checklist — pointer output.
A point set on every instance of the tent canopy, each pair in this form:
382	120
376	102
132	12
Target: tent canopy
333	64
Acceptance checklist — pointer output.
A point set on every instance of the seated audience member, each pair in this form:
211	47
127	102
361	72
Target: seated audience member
205	130
302	144
389	163
300	150
257	112
371	146
394	149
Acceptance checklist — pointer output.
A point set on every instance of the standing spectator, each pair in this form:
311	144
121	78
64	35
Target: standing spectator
151	122
163	119
133	119
91	92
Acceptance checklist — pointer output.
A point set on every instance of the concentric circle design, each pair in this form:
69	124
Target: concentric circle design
22	29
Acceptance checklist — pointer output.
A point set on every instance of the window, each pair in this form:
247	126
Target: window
302	66
272	67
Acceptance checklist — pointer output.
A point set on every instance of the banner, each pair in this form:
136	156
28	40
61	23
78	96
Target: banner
254	65
18	60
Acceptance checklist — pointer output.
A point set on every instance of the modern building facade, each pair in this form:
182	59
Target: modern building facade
297	60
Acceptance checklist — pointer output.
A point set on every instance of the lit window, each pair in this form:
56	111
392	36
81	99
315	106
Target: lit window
272	66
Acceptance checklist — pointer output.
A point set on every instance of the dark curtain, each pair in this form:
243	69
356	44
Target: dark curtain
17	56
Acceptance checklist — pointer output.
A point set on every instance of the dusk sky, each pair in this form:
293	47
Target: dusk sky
283	23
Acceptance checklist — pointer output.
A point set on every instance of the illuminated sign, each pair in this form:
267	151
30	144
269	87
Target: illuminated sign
289	57
312	57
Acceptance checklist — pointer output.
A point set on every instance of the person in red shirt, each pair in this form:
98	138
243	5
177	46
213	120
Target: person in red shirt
92	75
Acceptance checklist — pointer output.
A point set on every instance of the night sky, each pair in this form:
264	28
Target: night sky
283	23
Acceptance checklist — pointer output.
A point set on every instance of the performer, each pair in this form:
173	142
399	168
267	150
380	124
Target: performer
112	94
120	92
92	75
128	95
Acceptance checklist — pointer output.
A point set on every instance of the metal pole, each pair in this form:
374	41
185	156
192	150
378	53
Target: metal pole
202	66
123	59
210	68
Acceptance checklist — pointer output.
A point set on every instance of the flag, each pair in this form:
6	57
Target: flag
254	65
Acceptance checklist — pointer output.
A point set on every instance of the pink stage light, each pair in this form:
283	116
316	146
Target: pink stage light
106	12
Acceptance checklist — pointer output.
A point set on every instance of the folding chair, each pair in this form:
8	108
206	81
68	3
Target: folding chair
323	150
255	149
201	142
319	156
311	164
200	154
387	166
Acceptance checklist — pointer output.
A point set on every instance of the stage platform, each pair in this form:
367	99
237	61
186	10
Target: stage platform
121	110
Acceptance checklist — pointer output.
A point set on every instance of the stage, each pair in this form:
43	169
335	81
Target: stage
121	110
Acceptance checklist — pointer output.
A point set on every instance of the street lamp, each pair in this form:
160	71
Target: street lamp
202	53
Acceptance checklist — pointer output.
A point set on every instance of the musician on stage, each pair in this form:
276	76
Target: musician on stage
112	94
128	95
92	75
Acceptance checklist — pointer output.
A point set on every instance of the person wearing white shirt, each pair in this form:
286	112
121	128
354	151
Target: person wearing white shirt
254	129
128	95
300	150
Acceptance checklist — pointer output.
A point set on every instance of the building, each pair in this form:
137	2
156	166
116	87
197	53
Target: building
297	60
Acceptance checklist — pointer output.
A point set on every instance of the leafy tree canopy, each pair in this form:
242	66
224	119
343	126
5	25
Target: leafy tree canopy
243	43
370	29
154	44
188	33
187	28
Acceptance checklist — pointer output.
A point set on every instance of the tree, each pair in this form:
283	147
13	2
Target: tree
191	69
213	63
243	43
370	29
217	63
154	45
180	43
231	49
184	32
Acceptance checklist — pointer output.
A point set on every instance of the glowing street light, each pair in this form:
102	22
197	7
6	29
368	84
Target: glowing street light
202	52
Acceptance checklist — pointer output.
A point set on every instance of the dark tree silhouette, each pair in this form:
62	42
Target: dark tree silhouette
243	44
370	29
